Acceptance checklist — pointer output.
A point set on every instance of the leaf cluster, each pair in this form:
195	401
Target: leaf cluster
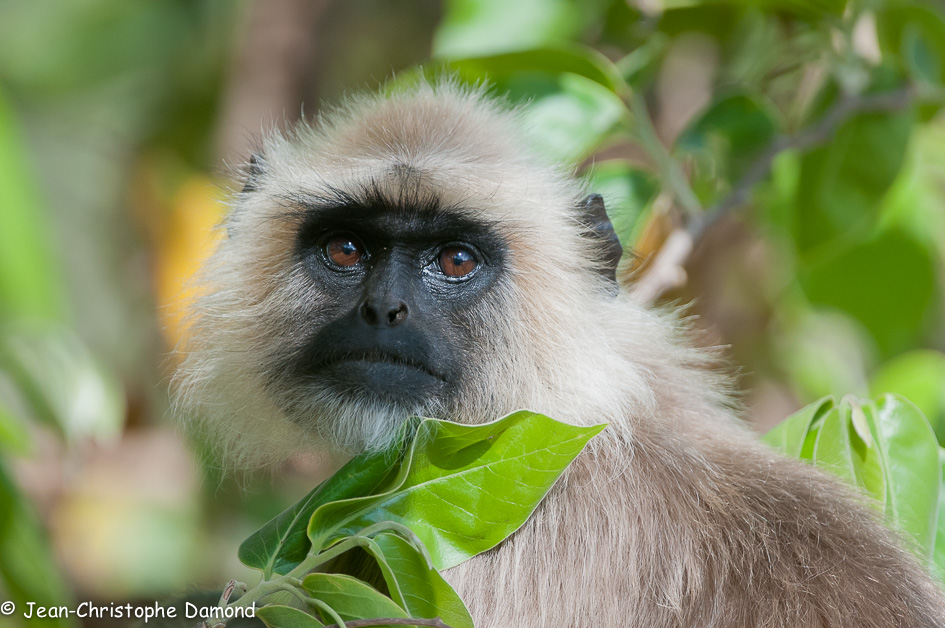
885	448
438	495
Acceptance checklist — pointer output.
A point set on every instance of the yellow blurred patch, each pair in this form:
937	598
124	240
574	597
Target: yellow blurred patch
182	247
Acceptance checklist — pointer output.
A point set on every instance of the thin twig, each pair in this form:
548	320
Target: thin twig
395	621
667	270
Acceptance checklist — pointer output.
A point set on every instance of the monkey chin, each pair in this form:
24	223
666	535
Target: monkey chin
358	406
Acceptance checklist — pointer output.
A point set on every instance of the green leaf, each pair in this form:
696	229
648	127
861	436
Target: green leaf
463	489
938	552
733	130
27	568
350	598
789	435
627	193
845	446
56	379
840	192
919	56
914	204
471	27
913	33
639	66
283	543
29	284
919	376
887	448
887	284
567	125
551	60
422	591
278	616
14	435
912	469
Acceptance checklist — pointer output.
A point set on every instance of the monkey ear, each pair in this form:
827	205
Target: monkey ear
254	172
257	166
598	227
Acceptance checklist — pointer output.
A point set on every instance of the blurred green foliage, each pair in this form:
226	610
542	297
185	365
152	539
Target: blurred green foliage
76	80
841	99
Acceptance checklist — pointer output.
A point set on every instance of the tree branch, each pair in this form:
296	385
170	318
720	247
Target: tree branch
667	270
819	133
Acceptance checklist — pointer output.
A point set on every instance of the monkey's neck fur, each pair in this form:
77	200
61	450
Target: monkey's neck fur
674	516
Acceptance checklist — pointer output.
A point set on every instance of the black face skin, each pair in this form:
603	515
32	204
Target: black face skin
398	288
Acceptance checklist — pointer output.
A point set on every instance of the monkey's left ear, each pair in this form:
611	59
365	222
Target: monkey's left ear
598	227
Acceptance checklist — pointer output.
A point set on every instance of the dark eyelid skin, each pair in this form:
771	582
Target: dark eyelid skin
429	231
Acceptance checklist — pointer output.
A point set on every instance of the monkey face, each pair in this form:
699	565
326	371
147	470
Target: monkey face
398	289
368	296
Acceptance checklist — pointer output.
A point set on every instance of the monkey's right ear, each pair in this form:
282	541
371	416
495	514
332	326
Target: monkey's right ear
257	166
597	226
254	172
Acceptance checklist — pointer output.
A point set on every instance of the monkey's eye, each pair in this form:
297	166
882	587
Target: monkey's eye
344	250
457	262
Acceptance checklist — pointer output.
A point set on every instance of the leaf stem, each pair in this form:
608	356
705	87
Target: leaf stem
328	610
405	532
295	588
313	560
273	585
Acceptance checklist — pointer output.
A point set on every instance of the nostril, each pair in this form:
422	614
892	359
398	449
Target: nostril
397	315
368	313
394	314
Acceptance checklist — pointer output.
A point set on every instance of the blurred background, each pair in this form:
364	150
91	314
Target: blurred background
779	164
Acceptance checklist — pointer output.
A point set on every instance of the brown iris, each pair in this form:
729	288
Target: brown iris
344	250
457	262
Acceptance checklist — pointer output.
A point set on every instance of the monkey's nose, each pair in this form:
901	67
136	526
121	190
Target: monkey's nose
384	314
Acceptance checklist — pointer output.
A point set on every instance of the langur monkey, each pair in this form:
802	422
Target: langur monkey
409	254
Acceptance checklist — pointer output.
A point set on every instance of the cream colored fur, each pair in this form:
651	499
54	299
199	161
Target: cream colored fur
674	516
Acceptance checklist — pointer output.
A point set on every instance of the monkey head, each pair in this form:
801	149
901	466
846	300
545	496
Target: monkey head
404	255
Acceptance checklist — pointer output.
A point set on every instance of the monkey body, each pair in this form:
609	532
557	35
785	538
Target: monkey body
408	256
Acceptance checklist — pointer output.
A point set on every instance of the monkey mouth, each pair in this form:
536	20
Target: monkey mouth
382	374
381	358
